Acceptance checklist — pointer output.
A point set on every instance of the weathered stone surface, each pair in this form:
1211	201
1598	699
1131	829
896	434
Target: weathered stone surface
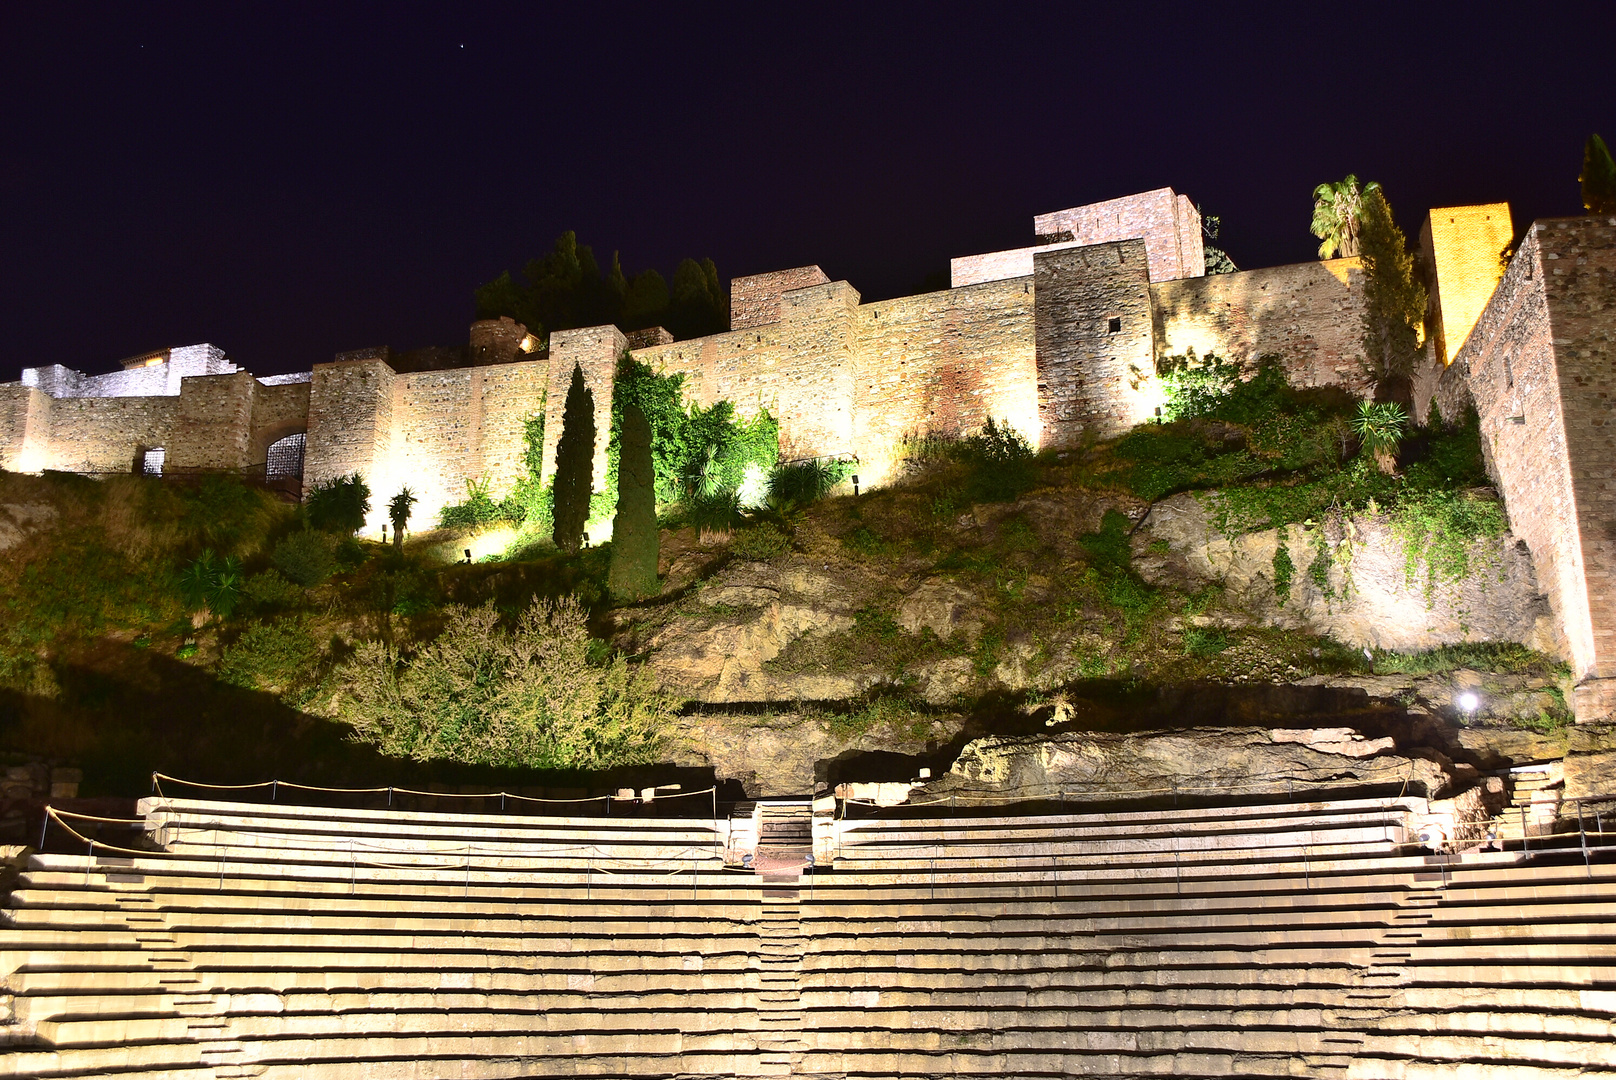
1226	761
1374	604
942	607
1590	762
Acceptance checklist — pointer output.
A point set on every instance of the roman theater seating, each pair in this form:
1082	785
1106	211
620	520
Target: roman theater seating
1298	939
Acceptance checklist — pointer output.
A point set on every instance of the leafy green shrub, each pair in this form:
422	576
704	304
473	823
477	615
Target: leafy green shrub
795	485
528	696
1284	569
212	583
1204	641
270	590
1439	531
279	658
760	542
476	510
714	513
1000	461
1195	386
338	505
307	557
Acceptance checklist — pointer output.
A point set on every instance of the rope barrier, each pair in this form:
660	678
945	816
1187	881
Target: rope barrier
158	777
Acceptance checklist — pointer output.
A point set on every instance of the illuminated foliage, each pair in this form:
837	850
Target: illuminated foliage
1337	215
338	505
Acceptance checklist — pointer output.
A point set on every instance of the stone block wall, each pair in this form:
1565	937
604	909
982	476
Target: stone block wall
943	363
102	435
350	421
1540	367
1092	316
1309	313
755	300
594	349
213	428
1168	223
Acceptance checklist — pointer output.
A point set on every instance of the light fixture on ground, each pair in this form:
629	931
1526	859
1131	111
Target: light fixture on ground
1467	701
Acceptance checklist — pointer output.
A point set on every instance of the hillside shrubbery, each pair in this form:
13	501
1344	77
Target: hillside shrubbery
527	696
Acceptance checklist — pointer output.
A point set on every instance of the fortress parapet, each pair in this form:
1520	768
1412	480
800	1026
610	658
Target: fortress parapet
1061	339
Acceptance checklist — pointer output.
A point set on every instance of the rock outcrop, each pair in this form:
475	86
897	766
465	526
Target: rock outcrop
1194	762
1370	600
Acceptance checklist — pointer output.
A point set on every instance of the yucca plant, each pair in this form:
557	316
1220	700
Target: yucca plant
1379	427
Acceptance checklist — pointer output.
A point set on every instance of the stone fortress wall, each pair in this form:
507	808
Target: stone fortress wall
1540	369
1061	339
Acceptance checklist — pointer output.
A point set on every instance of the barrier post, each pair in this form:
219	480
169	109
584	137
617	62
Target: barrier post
1582	835
43	825
274	788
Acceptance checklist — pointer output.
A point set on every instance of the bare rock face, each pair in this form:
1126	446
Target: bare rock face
1590	762
760	610
1197	761
1370	600
942	607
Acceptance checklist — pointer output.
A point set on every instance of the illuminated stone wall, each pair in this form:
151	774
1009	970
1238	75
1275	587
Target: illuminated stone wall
755	300
1462	244
1309	313
1540	368
1096	372
1168	223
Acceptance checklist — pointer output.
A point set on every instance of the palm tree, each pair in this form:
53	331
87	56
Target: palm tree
1335	215
398	510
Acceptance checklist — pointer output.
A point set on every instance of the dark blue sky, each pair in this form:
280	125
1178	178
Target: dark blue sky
292	180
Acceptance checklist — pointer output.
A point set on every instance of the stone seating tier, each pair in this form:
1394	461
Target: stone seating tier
1088	944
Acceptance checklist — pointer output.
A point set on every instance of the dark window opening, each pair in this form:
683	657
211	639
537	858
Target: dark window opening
1116	326
285	459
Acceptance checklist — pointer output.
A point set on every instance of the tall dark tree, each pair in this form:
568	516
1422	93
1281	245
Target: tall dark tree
575	465
1598	177
633	572
1394	299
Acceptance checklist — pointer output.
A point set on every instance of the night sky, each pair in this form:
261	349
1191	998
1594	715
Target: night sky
288	181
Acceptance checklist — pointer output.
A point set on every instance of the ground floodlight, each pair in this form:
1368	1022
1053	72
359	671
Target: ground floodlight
1468	702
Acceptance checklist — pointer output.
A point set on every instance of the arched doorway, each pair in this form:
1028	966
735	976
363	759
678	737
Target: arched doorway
284	458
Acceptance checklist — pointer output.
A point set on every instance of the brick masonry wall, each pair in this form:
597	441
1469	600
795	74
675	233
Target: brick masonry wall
1509	365
1169	225
755	300
595	349
1578	259
943	363
1093	381
998	265
1309	313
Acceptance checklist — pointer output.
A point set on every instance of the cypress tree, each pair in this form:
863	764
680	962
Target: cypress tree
575	465
633	572
1598	177
1394	299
